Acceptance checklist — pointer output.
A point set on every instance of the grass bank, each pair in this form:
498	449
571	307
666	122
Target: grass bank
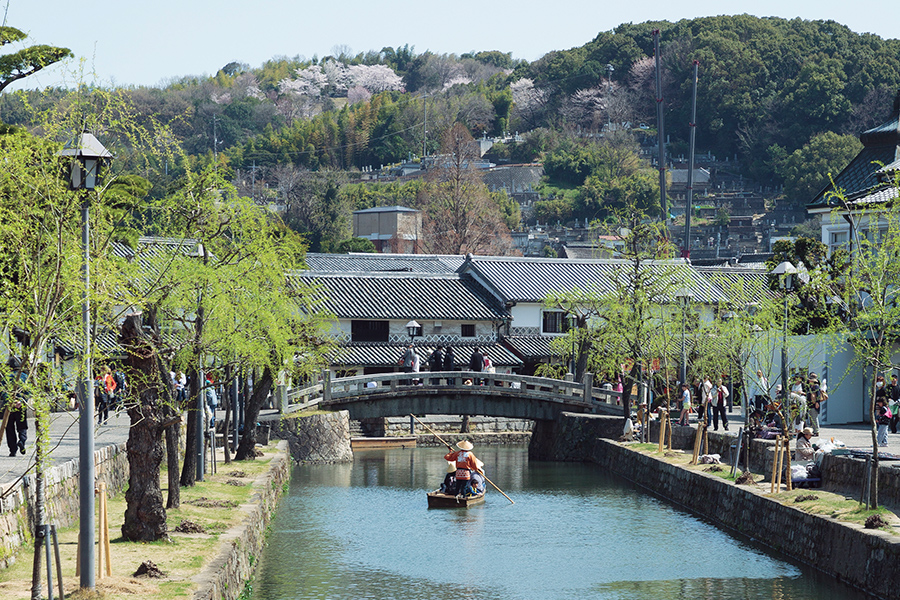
207	511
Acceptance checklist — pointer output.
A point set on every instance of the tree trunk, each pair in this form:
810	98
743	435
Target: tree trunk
261	391
173	437
226	426
189	468
40	506
145	516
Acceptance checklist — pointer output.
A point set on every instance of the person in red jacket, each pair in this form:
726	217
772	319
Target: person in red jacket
466	465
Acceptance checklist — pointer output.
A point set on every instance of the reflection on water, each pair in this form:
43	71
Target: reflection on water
363	531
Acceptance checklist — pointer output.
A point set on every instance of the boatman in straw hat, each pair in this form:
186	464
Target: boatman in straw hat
466	465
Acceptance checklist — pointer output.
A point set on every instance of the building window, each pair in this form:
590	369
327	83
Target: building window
467	330
555	321
369	331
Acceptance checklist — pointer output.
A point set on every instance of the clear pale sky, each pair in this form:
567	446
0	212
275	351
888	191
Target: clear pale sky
150	42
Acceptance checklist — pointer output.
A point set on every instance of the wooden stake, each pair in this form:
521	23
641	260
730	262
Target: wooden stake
662	429
774	465
104	549
669	423
787	459
698	441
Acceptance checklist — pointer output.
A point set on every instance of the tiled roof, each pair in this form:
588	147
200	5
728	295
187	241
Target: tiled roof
860	174
875	196
747	282
530	346
385	209
387	355
532	279
401	296
372	262
881	148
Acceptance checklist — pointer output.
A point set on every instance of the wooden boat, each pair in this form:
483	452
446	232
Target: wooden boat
438	500
372	443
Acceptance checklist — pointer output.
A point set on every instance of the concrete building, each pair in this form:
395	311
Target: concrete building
394	229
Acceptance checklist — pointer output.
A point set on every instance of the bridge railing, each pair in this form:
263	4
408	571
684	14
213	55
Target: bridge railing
332	388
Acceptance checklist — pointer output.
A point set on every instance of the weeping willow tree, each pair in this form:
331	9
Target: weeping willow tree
41	287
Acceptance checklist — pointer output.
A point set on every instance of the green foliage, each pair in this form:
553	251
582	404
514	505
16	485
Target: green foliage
356	245
806	171
26	61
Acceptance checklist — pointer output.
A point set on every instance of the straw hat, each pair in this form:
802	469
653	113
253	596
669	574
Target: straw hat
451	467
807	431
465	445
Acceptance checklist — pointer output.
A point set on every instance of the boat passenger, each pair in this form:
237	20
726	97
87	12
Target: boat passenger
466	464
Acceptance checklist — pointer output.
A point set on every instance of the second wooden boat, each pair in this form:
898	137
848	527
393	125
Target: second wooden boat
438	500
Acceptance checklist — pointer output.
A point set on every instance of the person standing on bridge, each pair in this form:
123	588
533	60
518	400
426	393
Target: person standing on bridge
436	363
450	363
406	362
476	363
466	466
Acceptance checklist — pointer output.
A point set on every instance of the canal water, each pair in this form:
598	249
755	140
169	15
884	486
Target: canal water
362	531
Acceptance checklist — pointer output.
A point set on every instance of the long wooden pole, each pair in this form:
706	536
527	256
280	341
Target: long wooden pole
451	448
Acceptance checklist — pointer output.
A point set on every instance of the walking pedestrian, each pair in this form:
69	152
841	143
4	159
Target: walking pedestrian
14	402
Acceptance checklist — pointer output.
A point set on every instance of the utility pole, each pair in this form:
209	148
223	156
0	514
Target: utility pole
686	248
660	129
215	146
424	127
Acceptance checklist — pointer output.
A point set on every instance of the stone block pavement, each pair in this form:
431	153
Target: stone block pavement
64	442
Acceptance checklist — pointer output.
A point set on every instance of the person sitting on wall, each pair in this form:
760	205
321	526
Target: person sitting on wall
805	451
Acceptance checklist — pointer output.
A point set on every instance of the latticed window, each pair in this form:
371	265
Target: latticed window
467	330
554	321
369	331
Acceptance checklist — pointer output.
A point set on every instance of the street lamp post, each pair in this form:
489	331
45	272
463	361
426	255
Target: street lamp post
684	296
573	324
86	155
785	273
412	328
609	71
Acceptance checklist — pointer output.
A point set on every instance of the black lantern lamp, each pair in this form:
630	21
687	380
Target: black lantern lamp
87	156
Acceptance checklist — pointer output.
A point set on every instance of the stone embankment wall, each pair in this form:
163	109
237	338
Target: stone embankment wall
225	576
862	558
61	495
316	438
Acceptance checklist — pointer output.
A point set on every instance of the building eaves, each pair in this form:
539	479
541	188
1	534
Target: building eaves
375	263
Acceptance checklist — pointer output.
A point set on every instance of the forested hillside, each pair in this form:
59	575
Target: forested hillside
782	96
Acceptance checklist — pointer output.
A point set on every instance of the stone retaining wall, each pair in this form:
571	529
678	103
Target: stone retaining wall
316	438
451	424
225	576
860	557
61	495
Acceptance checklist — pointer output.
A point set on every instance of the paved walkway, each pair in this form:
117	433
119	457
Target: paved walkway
64	442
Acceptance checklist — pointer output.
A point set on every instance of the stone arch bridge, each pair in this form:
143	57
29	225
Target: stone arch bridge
452	393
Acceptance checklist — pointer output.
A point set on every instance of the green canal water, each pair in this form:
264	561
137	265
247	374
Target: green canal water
363	531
